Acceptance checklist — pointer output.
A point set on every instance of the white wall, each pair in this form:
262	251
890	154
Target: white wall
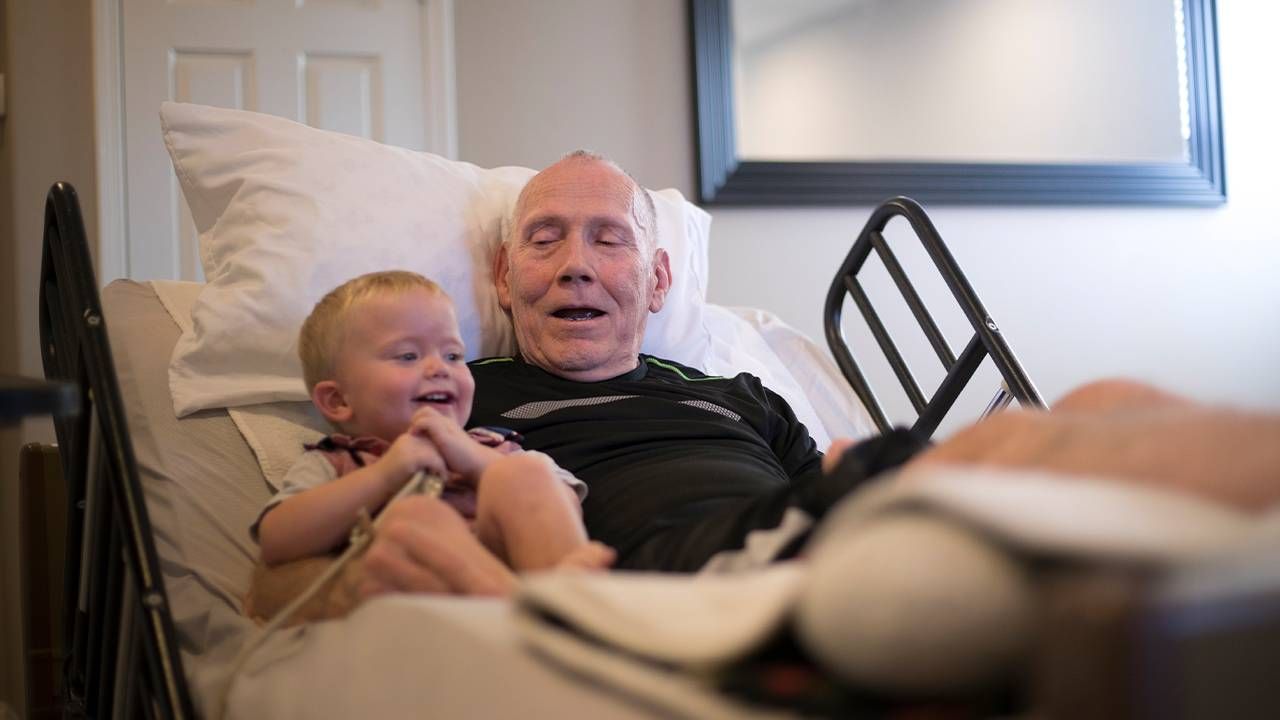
538	79
1187	298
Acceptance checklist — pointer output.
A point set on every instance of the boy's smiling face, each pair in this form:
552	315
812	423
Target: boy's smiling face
399	352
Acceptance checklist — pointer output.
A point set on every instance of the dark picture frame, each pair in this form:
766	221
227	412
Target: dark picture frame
724	179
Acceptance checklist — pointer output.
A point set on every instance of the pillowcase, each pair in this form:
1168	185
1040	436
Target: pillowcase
286	212
791	365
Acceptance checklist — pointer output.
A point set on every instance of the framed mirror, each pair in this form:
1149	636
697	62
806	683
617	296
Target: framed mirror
850	102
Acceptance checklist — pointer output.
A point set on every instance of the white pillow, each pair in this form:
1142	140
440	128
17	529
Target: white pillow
789	363
736	346
286	212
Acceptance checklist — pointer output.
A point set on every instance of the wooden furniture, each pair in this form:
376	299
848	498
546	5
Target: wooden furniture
42	533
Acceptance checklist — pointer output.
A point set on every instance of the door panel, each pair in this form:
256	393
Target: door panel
342	93
354	66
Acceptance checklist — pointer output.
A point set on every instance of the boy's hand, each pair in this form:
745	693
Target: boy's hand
408	454
463	455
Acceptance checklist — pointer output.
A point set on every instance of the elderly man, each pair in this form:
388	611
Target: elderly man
683	467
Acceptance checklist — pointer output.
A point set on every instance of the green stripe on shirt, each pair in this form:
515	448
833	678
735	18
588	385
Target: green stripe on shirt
678	371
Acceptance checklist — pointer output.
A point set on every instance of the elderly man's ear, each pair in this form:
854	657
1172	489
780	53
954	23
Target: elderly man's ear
662	271
501	282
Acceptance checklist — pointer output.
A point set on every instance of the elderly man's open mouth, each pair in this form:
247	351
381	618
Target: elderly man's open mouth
578	313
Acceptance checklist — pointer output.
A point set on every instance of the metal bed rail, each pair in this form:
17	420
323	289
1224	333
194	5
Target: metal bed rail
123	658
987	339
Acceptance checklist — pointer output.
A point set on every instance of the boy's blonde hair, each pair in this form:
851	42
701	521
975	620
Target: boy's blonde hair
324	329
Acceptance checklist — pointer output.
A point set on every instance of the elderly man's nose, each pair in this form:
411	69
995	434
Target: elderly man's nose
575	265
576	275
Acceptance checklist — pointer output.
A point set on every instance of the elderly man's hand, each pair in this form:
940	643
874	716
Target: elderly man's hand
404	557
832	456
1224	455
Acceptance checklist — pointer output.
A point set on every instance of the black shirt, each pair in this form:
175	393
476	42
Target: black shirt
659	447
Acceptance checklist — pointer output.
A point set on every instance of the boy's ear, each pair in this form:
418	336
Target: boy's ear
328	398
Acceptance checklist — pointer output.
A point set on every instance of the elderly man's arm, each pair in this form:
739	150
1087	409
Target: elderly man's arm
1138	434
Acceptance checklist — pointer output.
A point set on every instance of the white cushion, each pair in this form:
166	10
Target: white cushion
790	364
737	346
286	213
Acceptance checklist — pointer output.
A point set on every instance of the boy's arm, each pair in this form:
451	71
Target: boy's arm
319	519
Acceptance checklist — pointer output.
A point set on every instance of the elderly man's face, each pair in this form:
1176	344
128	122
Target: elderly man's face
579	275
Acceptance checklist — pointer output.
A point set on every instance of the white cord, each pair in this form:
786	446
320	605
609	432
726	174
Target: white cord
361	536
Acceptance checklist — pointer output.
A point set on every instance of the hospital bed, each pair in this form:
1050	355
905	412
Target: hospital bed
159	556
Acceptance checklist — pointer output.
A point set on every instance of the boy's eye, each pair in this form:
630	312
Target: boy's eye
453	357
407	356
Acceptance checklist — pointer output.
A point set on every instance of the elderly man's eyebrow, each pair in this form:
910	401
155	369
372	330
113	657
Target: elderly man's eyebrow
538	222
625	229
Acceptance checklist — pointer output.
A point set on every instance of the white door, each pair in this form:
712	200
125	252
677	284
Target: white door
355	66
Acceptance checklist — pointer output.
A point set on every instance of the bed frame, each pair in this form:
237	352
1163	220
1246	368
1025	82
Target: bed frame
123	658
986	341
